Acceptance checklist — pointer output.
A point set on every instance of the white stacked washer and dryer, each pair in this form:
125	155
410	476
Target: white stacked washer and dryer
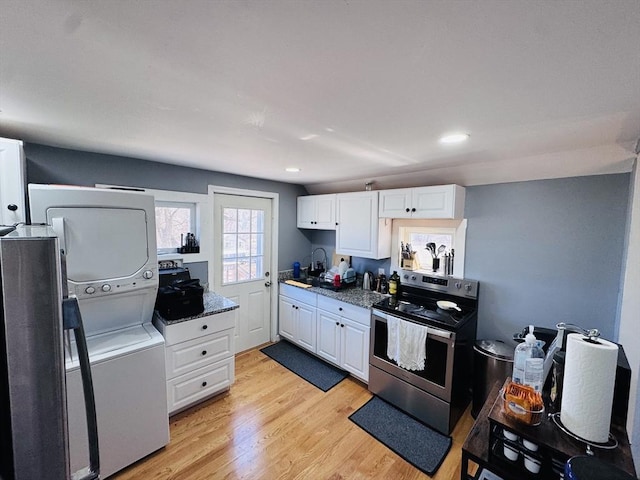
109	240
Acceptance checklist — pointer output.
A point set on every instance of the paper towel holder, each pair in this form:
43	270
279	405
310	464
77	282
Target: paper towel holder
592	334
610	445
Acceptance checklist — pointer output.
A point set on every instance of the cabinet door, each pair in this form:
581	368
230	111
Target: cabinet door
329	334
306	326
396	203
325	212
306	211
357	229
188	356
198	384
286	318
355	349
12	182
436	202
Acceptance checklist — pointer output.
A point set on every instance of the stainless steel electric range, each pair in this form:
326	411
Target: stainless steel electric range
438	394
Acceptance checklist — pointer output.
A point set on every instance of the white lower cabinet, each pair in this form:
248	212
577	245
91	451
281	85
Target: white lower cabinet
297	316
335	331
196	385
199	358
343	336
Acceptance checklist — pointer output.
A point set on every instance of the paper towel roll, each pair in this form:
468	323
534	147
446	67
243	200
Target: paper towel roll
587	391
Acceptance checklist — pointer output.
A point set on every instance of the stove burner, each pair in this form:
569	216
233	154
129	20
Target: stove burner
422	311
408	307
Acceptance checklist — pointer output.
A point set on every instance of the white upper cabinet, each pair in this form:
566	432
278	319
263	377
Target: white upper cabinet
442	201
359	231
12	182
317	212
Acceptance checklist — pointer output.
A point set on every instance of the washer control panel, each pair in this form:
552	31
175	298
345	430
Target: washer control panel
144	278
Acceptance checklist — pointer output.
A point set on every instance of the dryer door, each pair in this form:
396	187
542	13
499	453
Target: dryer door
102	243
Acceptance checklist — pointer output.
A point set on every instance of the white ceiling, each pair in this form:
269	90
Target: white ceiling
545	89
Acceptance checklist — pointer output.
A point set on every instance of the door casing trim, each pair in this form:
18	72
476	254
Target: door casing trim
273	268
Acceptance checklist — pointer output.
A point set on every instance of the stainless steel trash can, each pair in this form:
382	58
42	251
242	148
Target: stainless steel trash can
493	362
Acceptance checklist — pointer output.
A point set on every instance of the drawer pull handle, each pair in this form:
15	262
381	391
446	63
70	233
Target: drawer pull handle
204	352
204	384
340	308
342	325
204	327
337	323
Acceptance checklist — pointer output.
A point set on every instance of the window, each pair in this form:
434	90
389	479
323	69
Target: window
447	235
420	237
243	245
174	220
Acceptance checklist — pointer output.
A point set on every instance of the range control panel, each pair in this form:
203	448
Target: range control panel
436	283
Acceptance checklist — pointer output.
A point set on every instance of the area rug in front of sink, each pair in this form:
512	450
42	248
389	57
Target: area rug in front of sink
305	365
421	446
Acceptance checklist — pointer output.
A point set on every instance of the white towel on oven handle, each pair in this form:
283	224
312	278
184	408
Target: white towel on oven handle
406	343
393	325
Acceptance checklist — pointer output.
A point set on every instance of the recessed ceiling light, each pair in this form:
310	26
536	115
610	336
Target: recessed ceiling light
309	137
292	169
454	138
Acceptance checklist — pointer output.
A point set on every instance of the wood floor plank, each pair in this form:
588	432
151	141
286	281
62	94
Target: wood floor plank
274	425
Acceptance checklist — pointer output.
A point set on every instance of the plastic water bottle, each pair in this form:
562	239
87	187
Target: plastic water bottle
296	269
528	361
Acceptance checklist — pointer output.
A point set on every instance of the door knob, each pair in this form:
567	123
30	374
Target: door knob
267	284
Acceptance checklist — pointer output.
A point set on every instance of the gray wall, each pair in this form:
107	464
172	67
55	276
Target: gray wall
72	167
544	252
547	251
327	240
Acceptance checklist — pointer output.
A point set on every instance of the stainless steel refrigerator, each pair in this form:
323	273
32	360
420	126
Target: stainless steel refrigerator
35	318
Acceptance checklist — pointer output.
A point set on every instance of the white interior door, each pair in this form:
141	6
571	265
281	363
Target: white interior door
242	258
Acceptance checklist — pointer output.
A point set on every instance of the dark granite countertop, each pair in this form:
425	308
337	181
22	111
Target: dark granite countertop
353	295
213	304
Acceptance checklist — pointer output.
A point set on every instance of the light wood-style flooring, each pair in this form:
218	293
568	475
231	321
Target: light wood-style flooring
274	425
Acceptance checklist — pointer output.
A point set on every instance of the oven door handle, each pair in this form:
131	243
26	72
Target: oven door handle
438	332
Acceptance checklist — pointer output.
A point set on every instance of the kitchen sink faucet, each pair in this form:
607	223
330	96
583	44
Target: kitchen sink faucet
324	263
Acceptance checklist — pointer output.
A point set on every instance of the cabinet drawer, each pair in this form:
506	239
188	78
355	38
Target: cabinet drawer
198	327
352	312
187	356
298	294
190	388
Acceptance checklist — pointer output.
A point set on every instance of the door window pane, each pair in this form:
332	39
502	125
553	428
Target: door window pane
244	220
243	245
230	220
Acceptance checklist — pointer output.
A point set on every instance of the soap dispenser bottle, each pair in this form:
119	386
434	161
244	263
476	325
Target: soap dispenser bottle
528	360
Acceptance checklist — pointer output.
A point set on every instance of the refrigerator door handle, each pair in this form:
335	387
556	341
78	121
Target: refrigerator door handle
72	320
57	224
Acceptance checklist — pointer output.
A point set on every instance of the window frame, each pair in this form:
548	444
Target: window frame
456	227
192	207
250	257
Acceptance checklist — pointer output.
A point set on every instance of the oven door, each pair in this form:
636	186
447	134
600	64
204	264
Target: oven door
437	376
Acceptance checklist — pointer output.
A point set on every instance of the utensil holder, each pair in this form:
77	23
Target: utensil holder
409	264
435	264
